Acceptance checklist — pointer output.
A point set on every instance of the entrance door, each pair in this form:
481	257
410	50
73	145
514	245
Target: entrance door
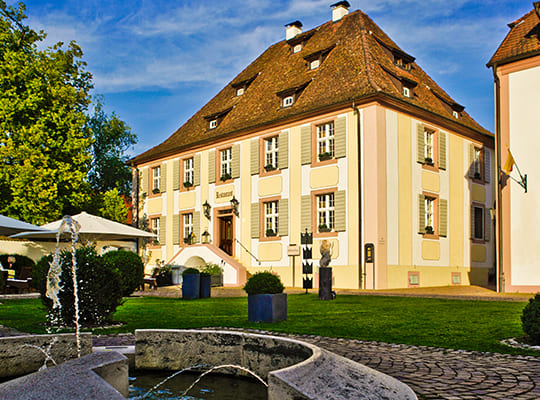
226	236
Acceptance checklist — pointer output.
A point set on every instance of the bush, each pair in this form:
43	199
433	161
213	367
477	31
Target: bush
531	319
39	274
100	289
191	271
211	269
263	283
129	266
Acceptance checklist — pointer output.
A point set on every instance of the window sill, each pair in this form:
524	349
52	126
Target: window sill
264	172
153	195
325	234
478	241
154	246
430	167
315	162
269	238
434	236
220	182
478	181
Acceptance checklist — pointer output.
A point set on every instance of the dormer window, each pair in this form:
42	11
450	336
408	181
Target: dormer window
240	91
213	120
314	64
288	101
314	60
455	114
406	91
290	96
241	86
297	48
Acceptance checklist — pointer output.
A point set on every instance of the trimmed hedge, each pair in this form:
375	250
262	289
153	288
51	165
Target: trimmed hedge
191	271
264	283
531	319
100	289
129	266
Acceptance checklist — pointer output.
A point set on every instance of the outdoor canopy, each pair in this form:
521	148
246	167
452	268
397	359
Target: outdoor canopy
10	226
92	228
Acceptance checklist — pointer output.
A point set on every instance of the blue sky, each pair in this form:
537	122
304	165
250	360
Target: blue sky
157	62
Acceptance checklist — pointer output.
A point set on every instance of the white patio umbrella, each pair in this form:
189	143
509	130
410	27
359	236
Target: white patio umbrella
92	227
10	226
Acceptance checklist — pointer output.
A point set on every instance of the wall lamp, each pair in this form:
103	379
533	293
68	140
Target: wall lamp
207	208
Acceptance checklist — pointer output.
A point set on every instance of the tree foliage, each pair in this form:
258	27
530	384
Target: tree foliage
113	206
44	145
112	137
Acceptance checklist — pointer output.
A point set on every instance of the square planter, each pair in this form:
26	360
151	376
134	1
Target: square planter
216	280
191	286
267	307
205	287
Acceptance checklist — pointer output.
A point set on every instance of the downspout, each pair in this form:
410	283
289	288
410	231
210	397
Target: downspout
498	240
361	273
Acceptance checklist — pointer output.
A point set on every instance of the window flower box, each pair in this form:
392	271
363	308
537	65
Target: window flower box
429	230
270	167
324	228
270	233
188	184
325	156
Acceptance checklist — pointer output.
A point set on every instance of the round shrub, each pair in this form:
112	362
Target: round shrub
263	283
99	289
531	319
129	266
191	271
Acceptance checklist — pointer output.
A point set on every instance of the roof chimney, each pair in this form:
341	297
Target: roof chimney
339	10
536	5
293	29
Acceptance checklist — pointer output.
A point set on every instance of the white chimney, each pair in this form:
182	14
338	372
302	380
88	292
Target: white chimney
293	29
339	10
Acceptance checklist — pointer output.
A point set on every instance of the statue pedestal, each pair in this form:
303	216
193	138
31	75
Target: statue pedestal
325	283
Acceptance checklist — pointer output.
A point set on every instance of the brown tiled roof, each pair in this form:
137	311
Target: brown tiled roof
522	41
356	68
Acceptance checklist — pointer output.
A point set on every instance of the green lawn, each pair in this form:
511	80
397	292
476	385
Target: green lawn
455	324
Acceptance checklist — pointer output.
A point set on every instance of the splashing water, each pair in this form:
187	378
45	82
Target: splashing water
68	225
46	352
200	366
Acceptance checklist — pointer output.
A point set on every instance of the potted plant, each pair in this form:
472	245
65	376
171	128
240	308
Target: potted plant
215	272
269	167
429	229
266	300
225	177
155	190
270	233
477	175
428	160
191	282
188	184
325	156
164	276
189	238
324	228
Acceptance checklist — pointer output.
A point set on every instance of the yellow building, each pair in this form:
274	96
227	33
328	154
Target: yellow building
516	69
339	132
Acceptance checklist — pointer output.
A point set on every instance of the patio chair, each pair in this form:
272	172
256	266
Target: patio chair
151	280
22	282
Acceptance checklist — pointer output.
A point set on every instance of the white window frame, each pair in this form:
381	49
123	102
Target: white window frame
455	114
189	170
297	48
326	210
406	91
226	161
155	229
477	225
187	224
271	216
325	139
240	91
429	138
156	177
477	162
429	207
314	64
288	101
271	151
213	124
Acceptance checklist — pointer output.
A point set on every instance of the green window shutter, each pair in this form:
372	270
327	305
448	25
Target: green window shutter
340	133
196	170
443	217
420	144
212	166
421	214
254	156
340	211
176	229
162	229
163	178
306	213
283	217
144	181
471	159
442	150
235	163
197	226
255	228
305	136
487	165
487	225
283	150
176	174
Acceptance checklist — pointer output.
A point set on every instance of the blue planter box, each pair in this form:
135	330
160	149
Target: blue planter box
267	307
191	286
206	283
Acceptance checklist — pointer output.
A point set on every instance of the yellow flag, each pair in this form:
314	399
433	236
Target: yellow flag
509	164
